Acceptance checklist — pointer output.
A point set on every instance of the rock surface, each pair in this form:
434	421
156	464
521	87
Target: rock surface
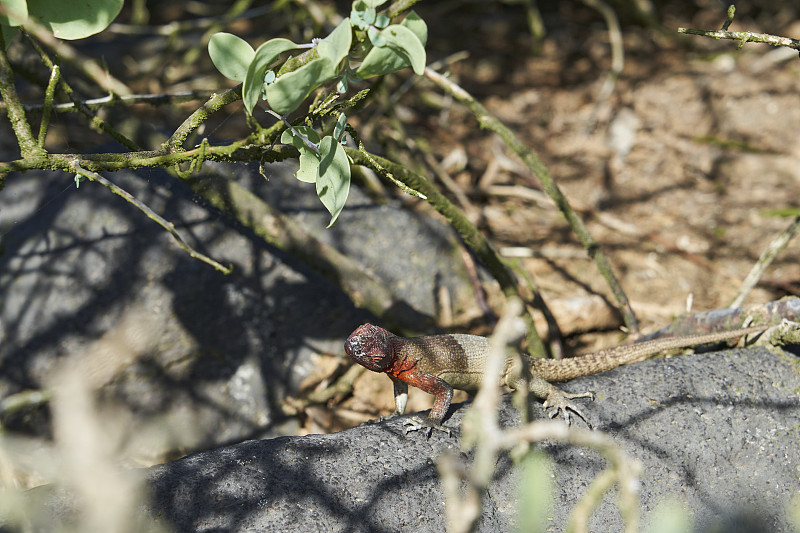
713	431
85	275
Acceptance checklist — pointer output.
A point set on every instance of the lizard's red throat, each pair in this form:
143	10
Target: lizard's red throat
369	346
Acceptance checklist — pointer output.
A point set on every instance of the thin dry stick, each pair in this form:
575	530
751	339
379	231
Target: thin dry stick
481	429
150	214
767	256
623	469
89	67
617	51
487	120
745	37
108	101
182	26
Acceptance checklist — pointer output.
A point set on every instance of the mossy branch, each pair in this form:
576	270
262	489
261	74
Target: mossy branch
245	150
55	75
16	114
193	121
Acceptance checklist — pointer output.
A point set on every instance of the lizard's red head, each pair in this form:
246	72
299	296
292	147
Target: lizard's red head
369	346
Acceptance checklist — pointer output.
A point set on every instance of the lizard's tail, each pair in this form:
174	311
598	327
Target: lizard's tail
567	369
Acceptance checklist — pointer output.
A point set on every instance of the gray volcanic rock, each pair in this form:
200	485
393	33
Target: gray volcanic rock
714	432
210	357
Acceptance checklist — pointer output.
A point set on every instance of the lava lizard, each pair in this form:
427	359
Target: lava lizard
437	364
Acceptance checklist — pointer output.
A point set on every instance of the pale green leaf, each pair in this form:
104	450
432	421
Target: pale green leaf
402	39
309	159
417	26
265	55
336	46
231	55
333	177
17	12
341	127
375	37
309	167
288	137
381	21
74	19
383	60
291	89
362	16
380	61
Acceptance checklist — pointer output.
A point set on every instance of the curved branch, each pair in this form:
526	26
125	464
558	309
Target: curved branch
193	121
16	114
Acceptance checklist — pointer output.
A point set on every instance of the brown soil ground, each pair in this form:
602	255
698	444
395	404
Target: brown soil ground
684	174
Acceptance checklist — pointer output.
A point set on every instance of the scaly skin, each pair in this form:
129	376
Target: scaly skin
437	364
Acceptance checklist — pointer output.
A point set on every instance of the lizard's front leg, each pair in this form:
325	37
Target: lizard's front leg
400	398
444	395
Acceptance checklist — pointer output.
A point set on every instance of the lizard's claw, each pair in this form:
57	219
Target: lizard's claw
416	423
558	404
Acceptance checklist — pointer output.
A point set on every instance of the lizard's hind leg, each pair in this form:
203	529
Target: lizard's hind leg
556	402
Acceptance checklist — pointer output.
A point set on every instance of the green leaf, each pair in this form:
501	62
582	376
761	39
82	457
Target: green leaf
288	137
74	19
535	491
386	59
291	89
375	37
340	128
403	40
265	55
333	177
18	11
415	23
371	3
336	46
309	159
362	16
231	55
309	167
382	21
